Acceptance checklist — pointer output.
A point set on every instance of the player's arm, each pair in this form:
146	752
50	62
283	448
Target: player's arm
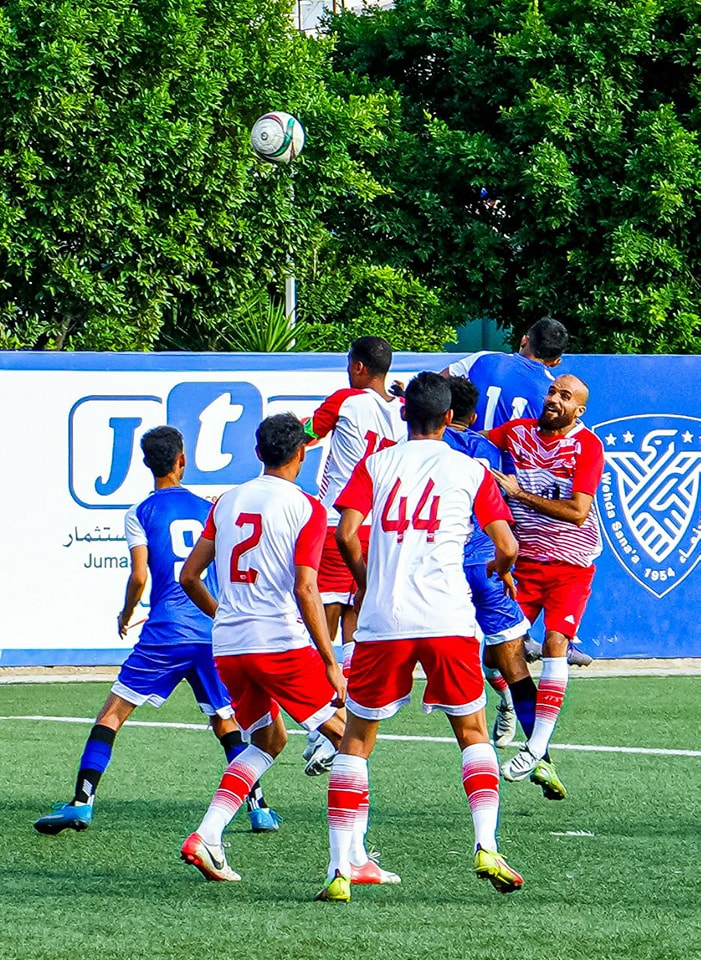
354	504
494	517
312	612
190	576
574	509
325	417
505	554
135	586
349	545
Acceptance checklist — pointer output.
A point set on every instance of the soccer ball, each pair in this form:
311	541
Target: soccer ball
277	137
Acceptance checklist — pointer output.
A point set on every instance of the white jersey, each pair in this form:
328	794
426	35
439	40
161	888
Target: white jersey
423	495
360	422
261	530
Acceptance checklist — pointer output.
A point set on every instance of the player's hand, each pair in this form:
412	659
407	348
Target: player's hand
358	598
506	579
507	482
334	675
122	624
397	388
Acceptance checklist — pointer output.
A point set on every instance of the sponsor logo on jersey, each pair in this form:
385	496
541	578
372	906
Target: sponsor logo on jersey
649	496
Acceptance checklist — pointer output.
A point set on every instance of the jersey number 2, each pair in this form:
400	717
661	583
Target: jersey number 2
237	574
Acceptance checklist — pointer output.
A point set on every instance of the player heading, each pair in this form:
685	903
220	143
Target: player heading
546	341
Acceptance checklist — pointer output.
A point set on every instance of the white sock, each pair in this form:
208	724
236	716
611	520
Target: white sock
480	776
358	853
236	784
551	692
348	784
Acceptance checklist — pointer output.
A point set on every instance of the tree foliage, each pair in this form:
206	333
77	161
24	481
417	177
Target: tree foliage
546	159
132	211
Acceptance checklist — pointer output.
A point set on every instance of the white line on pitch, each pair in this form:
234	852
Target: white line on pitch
402	738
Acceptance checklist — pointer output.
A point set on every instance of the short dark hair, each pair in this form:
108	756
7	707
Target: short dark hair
278	439
374	353
463	397
161	447
548	338
427	399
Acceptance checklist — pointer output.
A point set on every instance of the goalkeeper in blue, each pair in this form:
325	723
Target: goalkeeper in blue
175	643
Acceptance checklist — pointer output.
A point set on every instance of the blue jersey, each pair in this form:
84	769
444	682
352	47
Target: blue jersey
479	548
510	386
169	523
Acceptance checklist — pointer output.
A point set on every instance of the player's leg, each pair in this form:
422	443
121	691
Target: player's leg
149	674
77	814
566	589
454	685
319	751
261	723
263	819
348	802
504	728
379	684
504	625
213	700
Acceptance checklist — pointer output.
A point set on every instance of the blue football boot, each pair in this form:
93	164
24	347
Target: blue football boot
264	820
65	816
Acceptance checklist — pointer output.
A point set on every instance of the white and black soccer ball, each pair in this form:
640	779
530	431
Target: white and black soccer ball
277	137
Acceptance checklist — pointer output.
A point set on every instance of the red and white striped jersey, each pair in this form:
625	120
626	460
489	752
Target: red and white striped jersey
556	468
360	422
261	530
423	495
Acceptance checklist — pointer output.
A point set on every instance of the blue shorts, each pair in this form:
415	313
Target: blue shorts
151	673
499	617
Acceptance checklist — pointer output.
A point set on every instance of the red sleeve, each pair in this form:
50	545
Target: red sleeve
210	528
325	417
310	539
357	493
489	504
589	467
500	435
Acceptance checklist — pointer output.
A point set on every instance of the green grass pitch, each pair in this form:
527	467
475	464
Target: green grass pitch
119	891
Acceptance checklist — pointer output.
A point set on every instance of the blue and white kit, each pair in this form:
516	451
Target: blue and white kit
510	386
176	641
499	617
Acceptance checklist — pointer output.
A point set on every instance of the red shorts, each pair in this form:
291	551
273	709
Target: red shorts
335	582
260	683
561	590
382	674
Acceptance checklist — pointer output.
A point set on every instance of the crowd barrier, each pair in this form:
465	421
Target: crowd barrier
72	424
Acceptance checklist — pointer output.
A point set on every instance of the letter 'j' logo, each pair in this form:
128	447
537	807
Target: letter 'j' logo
649	499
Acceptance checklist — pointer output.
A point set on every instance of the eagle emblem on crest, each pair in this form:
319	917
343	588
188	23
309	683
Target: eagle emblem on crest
648	499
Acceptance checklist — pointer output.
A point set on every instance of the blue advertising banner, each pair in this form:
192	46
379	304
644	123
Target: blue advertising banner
73	466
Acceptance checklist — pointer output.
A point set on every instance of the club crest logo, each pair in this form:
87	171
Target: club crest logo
649	500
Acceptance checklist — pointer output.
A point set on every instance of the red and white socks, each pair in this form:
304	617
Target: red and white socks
237	782
551	693
497	682
480	778
347	813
